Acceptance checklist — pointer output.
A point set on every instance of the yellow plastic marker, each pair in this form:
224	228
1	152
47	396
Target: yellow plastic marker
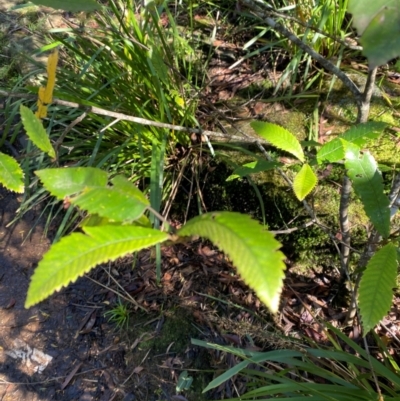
45	94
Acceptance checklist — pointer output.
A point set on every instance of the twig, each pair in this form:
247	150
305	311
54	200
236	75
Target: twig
394	196
130	299
345	225
53	379
390	331
365	101
261	11
138	120
69	128
291	230
378	389
175	187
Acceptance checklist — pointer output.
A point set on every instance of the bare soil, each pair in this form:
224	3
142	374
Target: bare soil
52	327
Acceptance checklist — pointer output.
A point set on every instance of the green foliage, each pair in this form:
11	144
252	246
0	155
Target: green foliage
119	315
377	22
118	203
343	374
318	24
70	5
77	253
376	286
132	65
279	137
304	182
11	174
35	131
253	250
184	382
368	185
133	62
62	182
333	151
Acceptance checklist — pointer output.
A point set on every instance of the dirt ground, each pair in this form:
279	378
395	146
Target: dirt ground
65	349
52	327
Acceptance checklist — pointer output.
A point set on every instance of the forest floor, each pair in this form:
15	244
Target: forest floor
66	348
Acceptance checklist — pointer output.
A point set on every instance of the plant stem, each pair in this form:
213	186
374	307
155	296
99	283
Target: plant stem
365	101
261	11
345	225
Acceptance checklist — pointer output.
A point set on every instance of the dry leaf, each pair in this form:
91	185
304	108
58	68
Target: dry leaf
71	375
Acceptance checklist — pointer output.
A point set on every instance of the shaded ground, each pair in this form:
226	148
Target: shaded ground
200	297
52	327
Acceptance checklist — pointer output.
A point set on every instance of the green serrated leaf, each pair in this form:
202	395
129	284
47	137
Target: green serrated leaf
304	182
125	186
376	287
110	202
359	134
62	182
94	220
377	22
70	5
77	253
368	185
11	174
279	137
253	250
333	151
35	131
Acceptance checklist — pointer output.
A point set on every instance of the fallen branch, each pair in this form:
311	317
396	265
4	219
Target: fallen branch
293	229
143	121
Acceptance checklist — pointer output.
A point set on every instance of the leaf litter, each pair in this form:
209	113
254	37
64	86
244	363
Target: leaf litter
200	296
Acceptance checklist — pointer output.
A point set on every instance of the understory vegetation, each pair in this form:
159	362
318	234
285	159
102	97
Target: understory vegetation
269	129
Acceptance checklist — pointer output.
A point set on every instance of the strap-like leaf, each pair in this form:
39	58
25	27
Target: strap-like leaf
304	182
368	185
253	250
77	253
35	131
376	286
333	151
279	137
62	182
11	174
254	167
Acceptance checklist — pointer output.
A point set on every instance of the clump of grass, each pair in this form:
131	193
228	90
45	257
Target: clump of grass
128	59
341	371
119	315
